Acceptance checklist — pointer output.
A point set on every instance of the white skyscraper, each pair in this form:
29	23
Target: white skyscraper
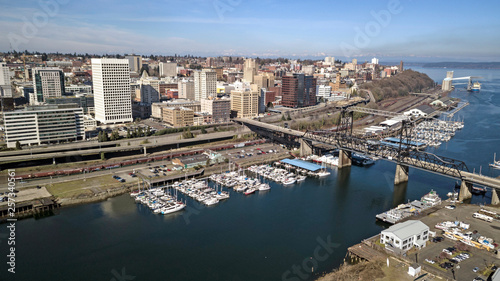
5	86
112	96
168	69
205	84
374	61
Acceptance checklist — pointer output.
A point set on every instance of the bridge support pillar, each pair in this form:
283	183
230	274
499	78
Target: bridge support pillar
344	158
465	191
401	174
53	160
494	198
305	148
145	153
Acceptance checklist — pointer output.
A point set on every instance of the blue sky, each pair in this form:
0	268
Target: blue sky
389	29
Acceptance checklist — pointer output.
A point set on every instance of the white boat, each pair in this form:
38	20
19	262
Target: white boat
301	178
211	201
289	181
323	173
495	164
431	198
173	208
264	187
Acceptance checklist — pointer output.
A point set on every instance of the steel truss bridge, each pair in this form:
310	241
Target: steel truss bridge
403	153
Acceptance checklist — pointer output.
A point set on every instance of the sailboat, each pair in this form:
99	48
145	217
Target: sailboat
495	164
323	173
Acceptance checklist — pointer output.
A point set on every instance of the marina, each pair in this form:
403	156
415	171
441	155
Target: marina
435	132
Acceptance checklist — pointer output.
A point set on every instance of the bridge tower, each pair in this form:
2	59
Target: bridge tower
494	197
344	134
402	171
465	193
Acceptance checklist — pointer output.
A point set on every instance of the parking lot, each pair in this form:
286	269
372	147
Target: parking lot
478	257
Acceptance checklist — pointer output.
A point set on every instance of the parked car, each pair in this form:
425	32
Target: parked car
430	261
451	207
475	269
437	239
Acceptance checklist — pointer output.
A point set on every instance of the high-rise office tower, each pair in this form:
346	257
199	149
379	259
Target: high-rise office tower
48	82
205	84
112	96
299	90
249	70
5	86
134	62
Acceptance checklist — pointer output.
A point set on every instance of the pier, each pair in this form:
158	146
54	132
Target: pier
461	105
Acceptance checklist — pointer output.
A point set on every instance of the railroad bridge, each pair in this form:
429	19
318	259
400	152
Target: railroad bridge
404	154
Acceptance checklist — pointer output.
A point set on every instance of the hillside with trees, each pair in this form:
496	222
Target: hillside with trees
400	85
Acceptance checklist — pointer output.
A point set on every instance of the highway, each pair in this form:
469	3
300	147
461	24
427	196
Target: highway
135	144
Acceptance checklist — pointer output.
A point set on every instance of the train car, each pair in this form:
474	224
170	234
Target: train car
44	174
23	177
128	163
142	160
111	166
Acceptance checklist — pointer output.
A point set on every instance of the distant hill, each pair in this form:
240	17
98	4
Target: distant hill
402	84
465	65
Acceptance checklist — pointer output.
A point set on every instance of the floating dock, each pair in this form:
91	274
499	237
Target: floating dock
302	164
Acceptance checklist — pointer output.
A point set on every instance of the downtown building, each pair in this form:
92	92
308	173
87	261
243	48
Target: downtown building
249	70
205	84
178	116
134	63
5	86
245	101
298	90
219	108
168	69
186	89
48	82
44	124
112	95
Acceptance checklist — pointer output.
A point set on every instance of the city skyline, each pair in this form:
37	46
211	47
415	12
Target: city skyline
390	30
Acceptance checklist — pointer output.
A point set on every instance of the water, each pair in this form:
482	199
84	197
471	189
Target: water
256	237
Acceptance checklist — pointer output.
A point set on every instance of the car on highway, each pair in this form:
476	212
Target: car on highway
451	207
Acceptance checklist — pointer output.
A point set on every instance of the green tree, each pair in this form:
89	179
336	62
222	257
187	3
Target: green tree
203	131
103	156
115	135
216	129
270	105
288	118
18	145
283	117
129	135
148	131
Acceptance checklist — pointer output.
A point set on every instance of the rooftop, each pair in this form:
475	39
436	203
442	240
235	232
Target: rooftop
406	229
302	164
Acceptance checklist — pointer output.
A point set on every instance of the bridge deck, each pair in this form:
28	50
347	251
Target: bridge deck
436	164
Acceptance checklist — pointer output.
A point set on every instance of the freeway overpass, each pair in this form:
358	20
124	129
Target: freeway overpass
70	151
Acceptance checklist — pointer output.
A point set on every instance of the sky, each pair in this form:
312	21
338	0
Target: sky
386	29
